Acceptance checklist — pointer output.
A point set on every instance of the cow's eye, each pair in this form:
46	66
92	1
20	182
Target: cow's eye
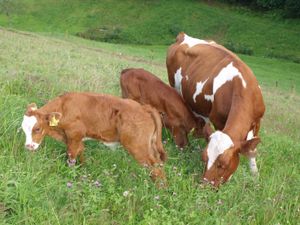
37	129
221	166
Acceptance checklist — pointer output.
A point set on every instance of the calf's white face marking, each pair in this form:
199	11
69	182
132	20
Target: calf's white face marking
219	142
27	126
226	74
178	78
199	87
190	41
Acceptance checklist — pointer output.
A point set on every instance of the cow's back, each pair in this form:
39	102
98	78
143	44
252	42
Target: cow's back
96	112
198	66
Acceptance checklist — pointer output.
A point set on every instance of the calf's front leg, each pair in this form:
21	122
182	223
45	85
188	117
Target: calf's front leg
75	148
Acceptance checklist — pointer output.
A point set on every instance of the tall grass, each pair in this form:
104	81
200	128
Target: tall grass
111	188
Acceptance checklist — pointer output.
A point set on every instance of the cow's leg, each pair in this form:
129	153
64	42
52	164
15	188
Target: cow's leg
75	148
150	160
147	157
75	134
252	164
252	156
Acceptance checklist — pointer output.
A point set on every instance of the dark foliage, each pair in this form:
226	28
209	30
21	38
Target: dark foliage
290	8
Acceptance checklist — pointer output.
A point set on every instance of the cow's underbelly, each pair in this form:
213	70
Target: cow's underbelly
108	135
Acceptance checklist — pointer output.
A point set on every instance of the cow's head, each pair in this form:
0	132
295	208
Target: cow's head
221	157
36	125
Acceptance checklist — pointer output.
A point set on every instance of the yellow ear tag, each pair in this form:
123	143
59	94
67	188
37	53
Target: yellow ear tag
53	122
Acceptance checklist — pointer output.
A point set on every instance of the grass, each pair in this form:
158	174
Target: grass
158	22
34	186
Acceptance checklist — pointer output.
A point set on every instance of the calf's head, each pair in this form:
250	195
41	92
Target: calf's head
221	157
36	125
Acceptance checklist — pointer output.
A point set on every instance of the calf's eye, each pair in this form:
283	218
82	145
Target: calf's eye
38	129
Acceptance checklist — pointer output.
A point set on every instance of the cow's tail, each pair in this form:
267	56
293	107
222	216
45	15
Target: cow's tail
157	136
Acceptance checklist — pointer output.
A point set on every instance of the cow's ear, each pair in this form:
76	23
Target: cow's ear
31	107
247	148
207	131
180	37
53	119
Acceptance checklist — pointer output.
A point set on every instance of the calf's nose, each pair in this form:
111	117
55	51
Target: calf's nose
29	146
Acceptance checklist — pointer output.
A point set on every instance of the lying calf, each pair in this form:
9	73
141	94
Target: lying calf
144	87
72	117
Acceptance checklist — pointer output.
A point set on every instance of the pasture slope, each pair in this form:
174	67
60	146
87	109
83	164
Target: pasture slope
39	188
157	22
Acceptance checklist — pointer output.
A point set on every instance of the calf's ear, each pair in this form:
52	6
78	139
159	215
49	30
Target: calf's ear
248	147
31	107
53	118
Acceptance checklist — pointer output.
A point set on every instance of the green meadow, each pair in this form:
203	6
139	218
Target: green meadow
111	188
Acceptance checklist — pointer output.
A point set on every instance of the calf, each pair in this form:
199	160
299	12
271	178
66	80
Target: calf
73	117
144	87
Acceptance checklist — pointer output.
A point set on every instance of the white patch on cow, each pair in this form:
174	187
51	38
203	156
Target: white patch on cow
226	74
219	142
199	87
87	139
112	145
190	41
206	119
27	126
187	77
178	78
209	97
250	135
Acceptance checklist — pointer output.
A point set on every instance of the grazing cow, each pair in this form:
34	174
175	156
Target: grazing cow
73	117
220	88
144	87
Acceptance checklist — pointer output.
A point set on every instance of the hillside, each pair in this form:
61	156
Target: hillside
39	188
158	22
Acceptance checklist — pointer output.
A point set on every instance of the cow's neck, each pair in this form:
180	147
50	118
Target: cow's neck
58	134
240	119
237	128
54	105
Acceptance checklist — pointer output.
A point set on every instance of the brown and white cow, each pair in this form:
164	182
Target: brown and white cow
220	88
145	88
74	117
